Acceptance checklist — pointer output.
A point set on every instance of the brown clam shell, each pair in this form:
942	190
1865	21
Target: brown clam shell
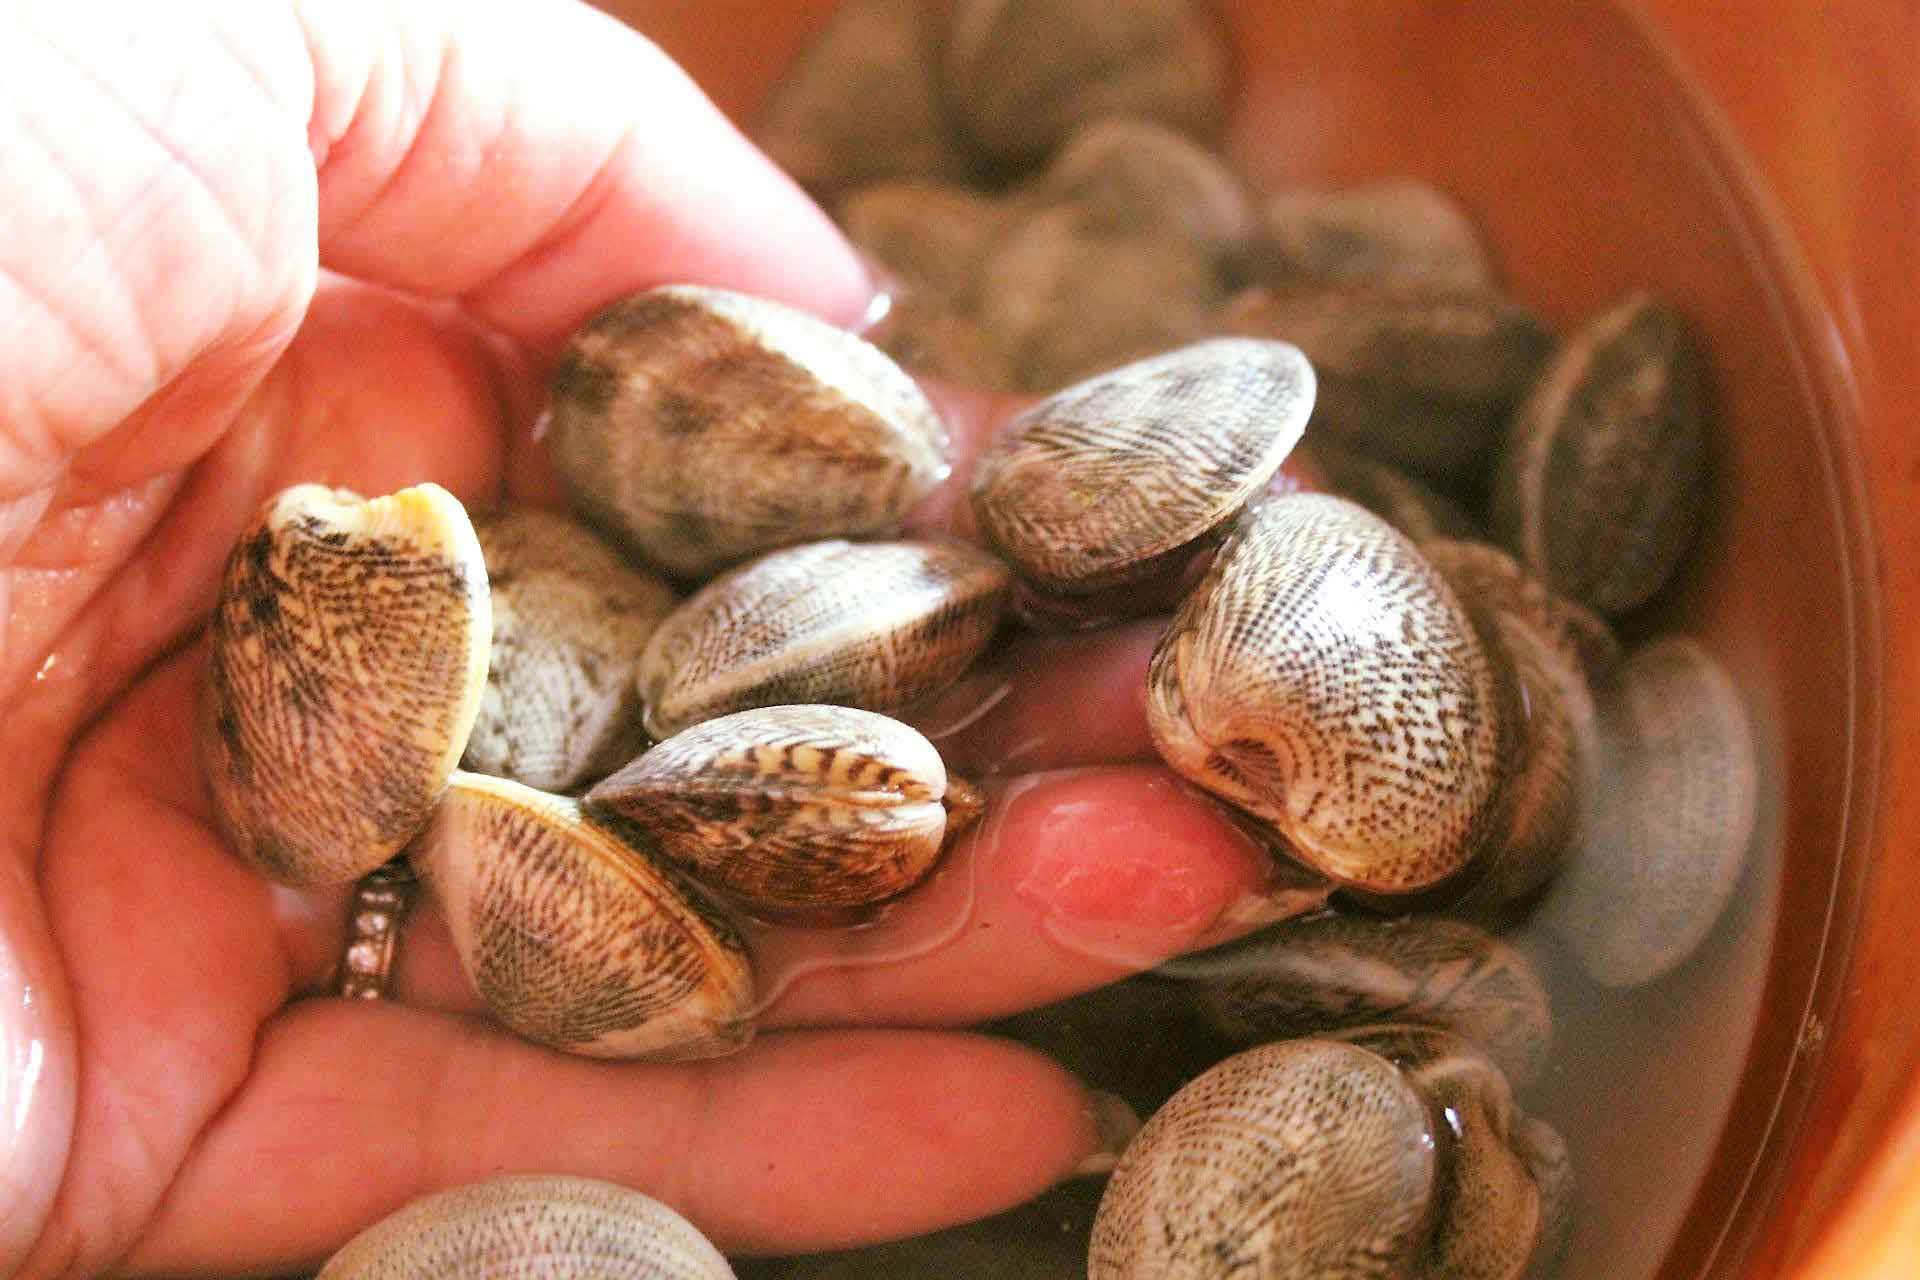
1394	230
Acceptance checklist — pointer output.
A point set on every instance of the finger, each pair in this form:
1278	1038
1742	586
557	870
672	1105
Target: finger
539	160
354	1109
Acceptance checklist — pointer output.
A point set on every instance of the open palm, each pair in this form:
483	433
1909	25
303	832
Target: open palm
250	244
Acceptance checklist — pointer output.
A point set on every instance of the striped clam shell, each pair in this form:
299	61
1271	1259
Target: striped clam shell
701	427
345	662
522	1226
575	934
1326	679
877	625
795	810
1100	483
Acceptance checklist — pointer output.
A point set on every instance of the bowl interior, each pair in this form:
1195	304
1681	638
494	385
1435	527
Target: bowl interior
1594	168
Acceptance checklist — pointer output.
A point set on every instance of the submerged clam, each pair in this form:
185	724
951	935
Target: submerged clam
575	934
1325	678
1112	480
878	625
1396	229
795	810
702	427
515	1227
344	670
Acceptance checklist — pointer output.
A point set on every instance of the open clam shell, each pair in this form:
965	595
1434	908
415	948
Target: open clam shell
795	810
575	934
345	663
701	427
516	1227
1325	678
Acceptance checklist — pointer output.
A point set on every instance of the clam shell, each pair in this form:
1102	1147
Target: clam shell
701	427
1490	1213
1410	375
1397	230
1304	1158
344	669
792	809
575	934
934	236
1019	75
932	339
1325	678
877	625
1098	484
516	1227
570	618
861	103
1309	976
1484	571
1670	824
1544	1152
1600	485
1404	501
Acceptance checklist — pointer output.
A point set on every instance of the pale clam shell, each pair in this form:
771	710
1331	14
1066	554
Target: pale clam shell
570	617
1094	486
1325	678
1309	976
1019	75
1414	376
344	669
1670	824
701	427
1305	1158
1600	486
519	1227
792	809
877	625
575	934
1394	229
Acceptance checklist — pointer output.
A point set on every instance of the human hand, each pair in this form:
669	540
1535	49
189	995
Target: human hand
251	244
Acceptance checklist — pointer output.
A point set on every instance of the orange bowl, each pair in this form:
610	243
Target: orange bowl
1758	1114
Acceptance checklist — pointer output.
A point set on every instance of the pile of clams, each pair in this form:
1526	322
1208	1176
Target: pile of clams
1417	662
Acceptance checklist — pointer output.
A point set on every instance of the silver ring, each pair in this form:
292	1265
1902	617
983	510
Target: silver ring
380	904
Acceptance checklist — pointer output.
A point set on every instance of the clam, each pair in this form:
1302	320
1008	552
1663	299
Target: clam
570	617
795	811
1019	75
701	427
1600	485
877	625
1117	478
1331	971
1670	823
1403	500
573	931
546	1225
1304	1158
1326	679
935	237
932	339
1418	377
344	669
1395	230
1486	572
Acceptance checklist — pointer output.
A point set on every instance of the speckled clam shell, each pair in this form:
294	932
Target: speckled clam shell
1490	1222
1403	500
575	934
522	1226
1134	173
1601	481
345	661
570	617
1309	976
861	103
1325	678
1070	297
1019	75
1305	1158
876	625
1097	484
934	237
794	810
1671	823
1417	377
1395	230
701	427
